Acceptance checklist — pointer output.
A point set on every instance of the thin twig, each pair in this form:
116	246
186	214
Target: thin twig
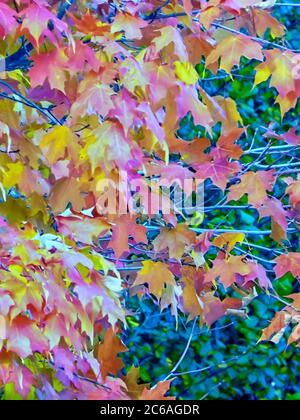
171	373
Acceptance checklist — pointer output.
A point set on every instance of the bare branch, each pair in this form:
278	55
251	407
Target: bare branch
247	232
172	372
25	101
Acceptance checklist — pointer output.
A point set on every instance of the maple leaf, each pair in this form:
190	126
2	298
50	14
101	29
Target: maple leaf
209	15
277	327
124	228
24	337
279	66
188	101
171	36
186	72
287	263
191	301
273	207
131	25
110	93
235	6
88	24
65	191
82	58
35	24
158	392
110	147
49	67
193	153
231	49
218	169
134	389
289	137
24	293
226	143
115	386
94	98
124	109
223	110
258	273
55	328
264	20
229	240
82	229
108	352
55	143
294	192
156	275
13	175
8	22
187	6
255	185
152	123
176	240
227	270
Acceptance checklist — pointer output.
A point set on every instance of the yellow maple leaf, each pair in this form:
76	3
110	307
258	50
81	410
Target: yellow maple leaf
55	142
156	275
13	175
186	72
229	239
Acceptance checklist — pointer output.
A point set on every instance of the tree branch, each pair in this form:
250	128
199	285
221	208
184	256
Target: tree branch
171	373
247	232
25	101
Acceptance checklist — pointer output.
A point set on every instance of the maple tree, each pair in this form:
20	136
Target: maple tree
93	92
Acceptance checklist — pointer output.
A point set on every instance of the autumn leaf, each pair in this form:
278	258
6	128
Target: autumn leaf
107	107
209	15
124	227
287	263
294	192
188	101
264	20
186	72
55	143
171	36
156	275
8	22
226	143
49	67
95	97
131	25
191	301
276	329
82	229
255	185
289	137
88	24
227	269
279	67
218	169
108	352
231	49
35	25
229	240
158	392
134	389
176	240
65	191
